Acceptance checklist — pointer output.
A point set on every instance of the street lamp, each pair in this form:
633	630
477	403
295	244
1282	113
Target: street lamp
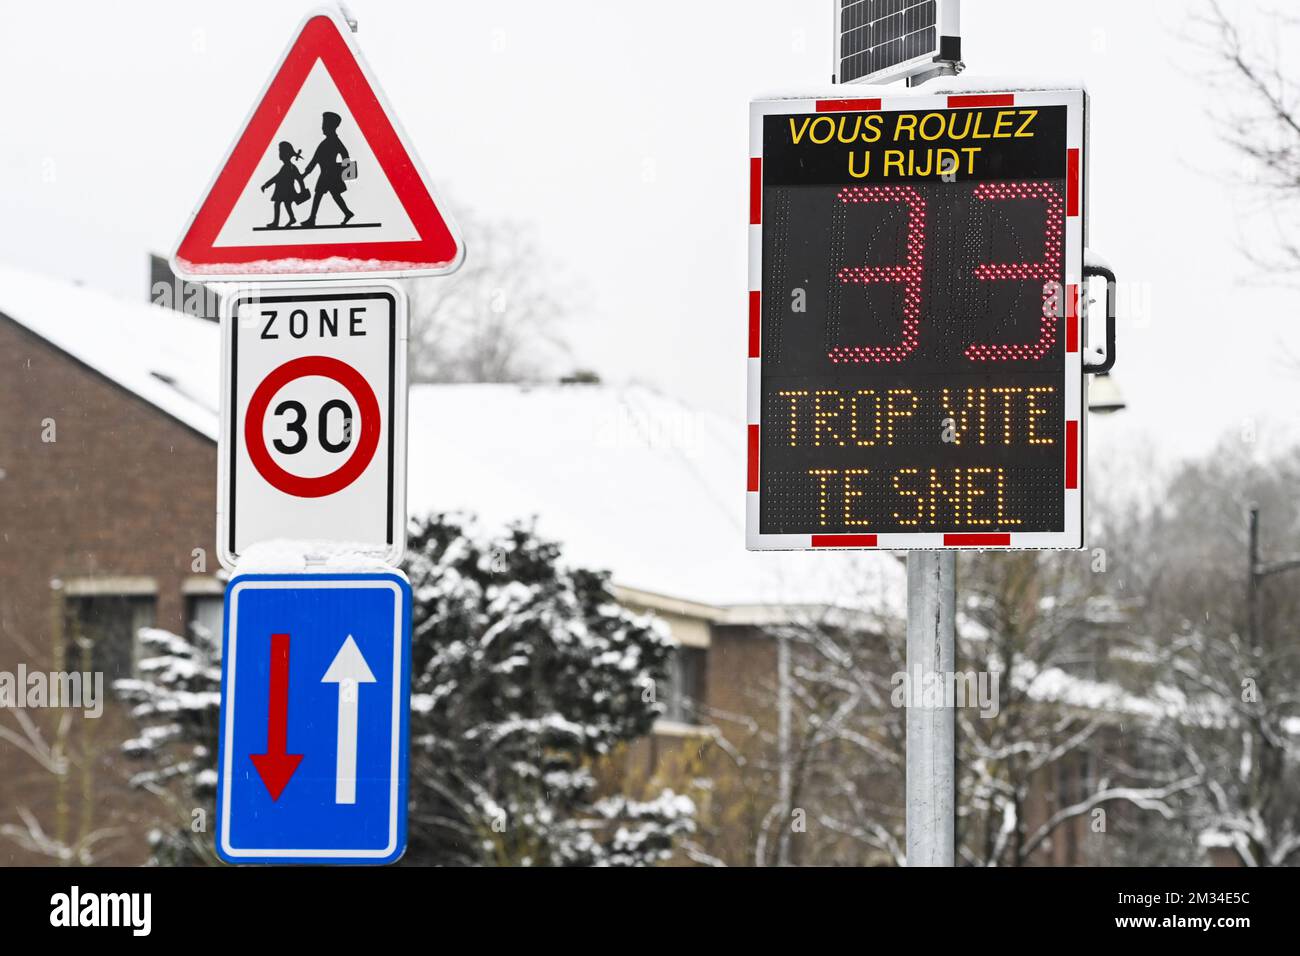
1104	396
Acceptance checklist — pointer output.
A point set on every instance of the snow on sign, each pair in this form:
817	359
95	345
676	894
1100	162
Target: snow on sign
315	698
915	373
321	182
313	434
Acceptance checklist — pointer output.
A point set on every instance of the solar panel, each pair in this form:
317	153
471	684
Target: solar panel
879	40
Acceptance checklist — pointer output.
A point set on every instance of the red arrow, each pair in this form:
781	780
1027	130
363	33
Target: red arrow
275	767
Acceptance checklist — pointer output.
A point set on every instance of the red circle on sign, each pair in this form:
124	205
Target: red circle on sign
361	456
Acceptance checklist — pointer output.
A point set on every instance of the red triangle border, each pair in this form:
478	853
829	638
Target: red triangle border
320	39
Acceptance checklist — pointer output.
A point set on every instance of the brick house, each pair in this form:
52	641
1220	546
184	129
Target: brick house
103	500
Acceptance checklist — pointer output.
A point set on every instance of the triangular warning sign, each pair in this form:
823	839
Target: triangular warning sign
321	182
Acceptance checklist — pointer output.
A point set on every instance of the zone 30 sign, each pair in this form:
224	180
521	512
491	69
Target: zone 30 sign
916	379
313	435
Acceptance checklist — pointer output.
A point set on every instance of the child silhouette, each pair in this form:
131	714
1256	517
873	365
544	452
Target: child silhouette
288	184
327	157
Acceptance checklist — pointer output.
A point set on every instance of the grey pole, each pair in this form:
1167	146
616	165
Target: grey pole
1252	580
931	732
783	703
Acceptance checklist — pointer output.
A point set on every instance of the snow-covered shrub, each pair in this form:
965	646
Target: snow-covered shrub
525	673
177	701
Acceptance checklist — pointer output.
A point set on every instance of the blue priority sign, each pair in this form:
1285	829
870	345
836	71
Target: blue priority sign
315	700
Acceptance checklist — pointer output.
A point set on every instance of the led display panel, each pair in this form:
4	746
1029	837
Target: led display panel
915	366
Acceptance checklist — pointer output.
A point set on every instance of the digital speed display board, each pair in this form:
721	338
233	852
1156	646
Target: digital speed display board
915	373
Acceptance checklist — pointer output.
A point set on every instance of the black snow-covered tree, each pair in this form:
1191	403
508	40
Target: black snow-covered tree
526	673
177	700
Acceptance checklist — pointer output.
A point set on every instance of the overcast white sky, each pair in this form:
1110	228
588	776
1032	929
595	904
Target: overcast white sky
619	132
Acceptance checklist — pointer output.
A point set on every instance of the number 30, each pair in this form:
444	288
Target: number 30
295	428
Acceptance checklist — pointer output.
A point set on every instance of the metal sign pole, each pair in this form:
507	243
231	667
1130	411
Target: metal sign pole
931	730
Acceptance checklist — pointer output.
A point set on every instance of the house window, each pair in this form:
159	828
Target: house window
205	612
685	691
101	629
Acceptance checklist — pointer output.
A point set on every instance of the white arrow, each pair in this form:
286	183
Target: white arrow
348	670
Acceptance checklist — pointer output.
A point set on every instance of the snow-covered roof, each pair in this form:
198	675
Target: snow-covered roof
1162	701
624	477
165	357
1053	685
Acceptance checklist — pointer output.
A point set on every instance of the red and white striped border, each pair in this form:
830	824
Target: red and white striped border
1075	325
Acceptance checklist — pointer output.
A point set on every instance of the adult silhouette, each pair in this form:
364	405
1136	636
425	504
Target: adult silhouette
328	157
